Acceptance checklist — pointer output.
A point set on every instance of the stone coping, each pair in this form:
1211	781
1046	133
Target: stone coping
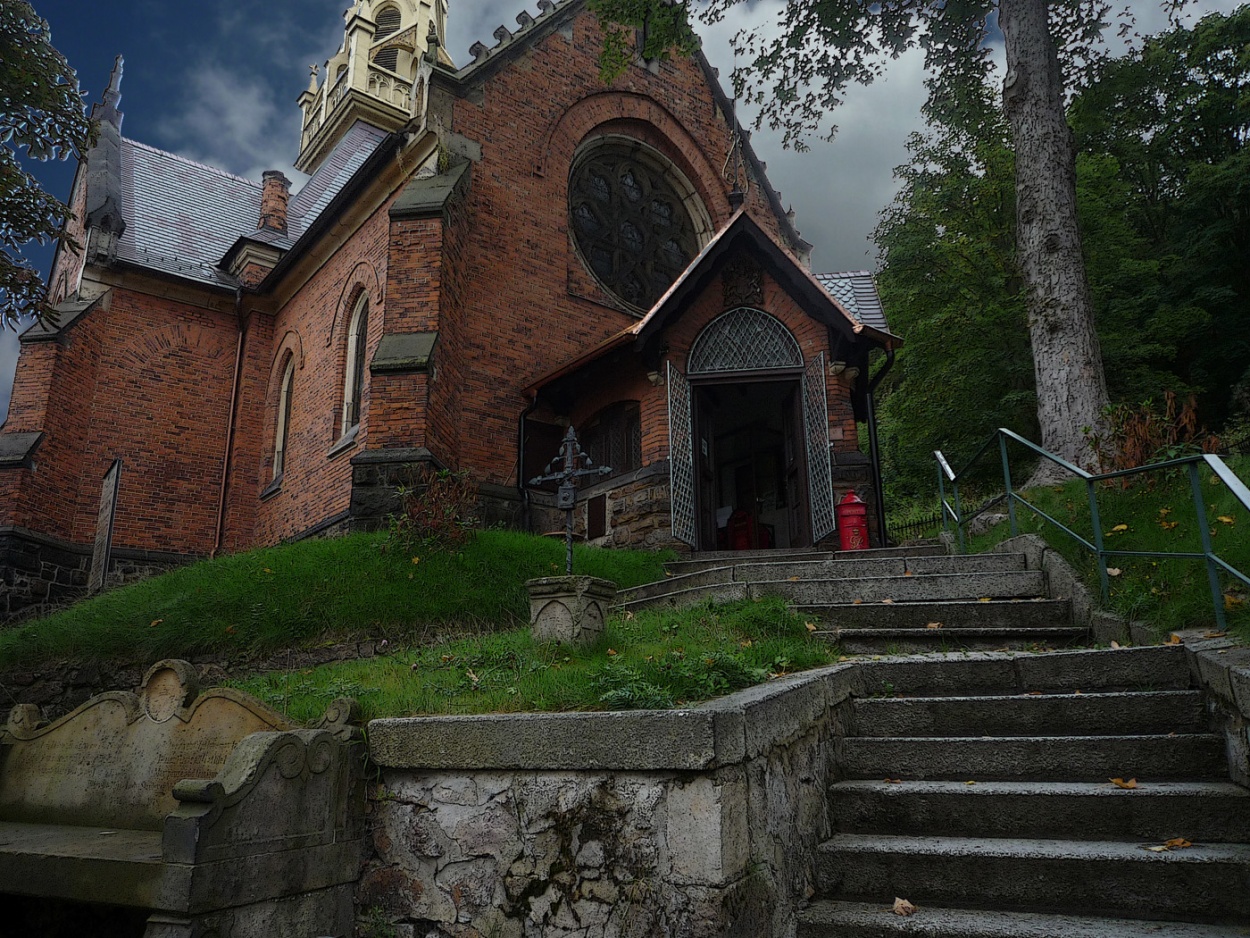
721	732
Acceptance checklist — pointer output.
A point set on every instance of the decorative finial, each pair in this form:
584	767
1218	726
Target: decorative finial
107	110
314	69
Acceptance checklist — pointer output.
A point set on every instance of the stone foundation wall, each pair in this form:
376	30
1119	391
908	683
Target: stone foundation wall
693	824
40	574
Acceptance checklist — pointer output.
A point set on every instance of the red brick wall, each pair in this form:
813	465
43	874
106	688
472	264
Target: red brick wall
530	305
146	380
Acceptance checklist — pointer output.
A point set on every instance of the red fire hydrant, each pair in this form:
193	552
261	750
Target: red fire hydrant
852	515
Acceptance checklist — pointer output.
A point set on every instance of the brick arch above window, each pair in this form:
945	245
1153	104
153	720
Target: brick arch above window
363	278
292	344
612	112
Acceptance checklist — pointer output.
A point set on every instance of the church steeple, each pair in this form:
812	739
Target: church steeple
378	75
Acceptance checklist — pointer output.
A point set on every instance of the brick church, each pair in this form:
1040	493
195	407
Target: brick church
480	257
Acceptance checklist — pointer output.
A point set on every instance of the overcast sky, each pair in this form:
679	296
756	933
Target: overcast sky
216	81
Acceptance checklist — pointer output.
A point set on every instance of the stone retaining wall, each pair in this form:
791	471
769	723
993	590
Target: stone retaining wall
689	823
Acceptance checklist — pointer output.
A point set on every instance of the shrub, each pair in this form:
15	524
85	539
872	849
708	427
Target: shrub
437	512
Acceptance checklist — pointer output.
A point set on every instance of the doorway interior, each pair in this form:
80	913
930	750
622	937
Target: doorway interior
751	479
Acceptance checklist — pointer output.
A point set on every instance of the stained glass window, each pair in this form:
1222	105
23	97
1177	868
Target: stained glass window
630	223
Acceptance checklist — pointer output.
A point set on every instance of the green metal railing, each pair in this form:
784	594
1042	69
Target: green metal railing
1214	564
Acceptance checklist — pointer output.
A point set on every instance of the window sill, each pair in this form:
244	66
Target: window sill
272	489
344	443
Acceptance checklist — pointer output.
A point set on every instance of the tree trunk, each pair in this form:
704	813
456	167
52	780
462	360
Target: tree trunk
1071	386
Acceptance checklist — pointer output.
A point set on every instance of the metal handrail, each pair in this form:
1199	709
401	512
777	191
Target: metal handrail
1214	563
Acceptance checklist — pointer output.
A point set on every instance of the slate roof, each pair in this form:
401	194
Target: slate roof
182	216
857	292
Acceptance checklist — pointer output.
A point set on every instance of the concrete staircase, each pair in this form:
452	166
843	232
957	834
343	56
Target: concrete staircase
883	601
977	788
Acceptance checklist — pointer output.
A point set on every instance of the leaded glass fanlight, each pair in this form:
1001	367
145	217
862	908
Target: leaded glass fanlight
744	339
634	218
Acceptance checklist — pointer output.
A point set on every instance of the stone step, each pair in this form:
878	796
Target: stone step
1154	812
1153	667
877	920
899	589
922	641
963	614
725	558
676	585
1036	758
856	568
1206	881
1118	714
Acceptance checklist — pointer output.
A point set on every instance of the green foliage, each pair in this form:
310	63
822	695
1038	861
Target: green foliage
651	660
41	112
641	28
438	512
1162	187
313	592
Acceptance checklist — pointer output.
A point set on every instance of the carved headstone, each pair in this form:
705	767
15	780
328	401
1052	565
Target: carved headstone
116	759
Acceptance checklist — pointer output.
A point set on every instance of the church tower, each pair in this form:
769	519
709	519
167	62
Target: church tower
378	75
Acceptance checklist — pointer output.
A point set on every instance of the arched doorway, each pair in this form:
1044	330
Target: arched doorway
749	438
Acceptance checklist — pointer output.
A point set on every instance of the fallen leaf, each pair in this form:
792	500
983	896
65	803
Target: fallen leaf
1116	646
746	644
1177	843
1121	783
1114	571
1215	635
1159	849
903	907
969	783
1232	601
1120	527
857	602
889	602
1168	525
154	623
794	579
893	781
844	657
230	630
1225	519
985	599
909	573
934	625
1034	693
611	652
1173	639
472	677
1164	512
810	626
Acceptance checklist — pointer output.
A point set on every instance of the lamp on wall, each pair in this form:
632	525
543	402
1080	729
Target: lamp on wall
836	368
656	379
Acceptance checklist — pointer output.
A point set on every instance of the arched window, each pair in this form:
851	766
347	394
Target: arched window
283	429
636	220
354	379
388	23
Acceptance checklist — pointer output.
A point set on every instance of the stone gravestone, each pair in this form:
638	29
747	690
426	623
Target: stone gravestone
104	528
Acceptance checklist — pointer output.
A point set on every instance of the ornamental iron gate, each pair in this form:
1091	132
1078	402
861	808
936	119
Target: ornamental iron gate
681	458
819	470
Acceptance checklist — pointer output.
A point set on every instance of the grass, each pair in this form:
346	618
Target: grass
1154	516
650	660
314	592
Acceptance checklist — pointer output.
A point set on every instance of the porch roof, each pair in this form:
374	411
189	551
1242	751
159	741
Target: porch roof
740	232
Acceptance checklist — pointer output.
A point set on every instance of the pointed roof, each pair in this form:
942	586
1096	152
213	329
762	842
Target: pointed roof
740	233
857	291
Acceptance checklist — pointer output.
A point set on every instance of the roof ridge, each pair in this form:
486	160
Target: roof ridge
504	37
182	159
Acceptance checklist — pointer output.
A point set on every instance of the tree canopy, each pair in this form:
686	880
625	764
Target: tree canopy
1163	194
41	116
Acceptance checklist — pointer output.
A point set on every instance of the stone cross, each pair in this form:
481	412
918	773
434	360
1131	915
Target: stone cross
576	465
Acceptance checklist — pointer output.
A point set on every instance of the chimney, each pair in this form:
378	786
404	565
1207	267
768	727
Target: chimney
274	195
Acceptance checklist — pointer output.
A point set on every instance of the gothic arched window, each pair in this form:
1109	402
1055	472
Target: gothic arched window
354	376
282	430
636	221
